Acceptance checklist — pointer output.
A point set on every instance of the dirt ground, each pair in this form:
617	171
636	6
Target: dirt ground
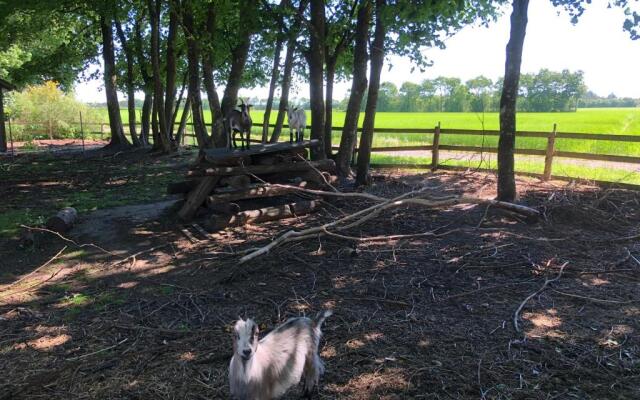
148	314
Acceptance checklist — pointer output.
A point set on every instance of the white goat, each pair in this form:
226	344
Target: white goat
298	122
265	369
239	121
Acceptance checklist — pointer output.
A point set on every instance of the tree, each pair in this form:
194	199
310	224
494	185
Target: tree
506	143
113	107
387	97
480	88
377	62
359	84
130	78
315	59
275	69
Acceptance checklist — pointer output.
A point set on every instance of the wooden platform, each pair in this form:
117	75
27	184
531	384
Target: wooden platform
220	156
234	187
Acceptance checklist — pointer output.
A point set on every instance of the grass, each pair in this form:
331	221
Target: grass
38	187
595	120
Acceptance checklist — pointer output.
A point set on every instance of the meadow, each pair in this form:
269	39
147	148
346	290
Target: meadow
617	121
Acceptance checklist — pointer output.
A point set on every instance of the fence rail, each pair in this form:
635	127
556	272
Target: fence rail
436	134
549	152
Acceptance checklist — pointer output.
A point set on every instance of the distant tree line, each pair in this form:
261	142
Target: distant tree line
545	91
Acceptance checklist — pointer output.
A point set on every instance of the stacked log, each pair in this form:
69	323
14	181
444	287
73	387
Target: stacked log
226	183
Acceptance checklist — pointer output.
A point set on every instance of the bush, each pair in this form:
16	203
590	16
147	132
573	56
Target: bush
46	112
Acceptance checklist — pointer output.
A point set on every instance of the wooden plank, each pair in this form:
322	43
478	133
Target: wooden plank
266	214
478	149
224	154
599	136
197	197
322	165
598	157
395	148
253	192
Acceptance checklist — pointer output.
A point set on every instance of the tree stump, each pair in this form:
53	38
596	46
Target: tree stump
63	220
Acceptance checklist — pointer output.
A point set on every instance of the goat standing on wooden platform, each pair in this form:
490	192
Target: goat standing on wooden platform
265	369
297	122
239	121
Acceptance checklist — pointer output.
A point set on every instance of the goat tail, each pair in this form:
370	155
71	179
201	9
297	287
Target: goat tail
319	319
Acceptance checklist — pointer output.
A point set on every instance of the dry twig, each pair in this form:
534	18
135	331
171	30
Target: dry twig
360	217
516	314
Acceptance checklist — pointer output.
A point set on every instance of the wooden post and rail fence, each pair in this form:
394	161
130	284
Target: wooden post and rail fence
435	146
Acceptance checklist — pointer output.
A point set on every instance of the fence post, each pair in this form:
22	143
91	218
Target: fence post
435	151
551	149
101	130
81	131
11	138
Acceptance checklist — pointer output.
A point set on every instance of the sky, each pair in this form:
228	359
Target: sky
597	45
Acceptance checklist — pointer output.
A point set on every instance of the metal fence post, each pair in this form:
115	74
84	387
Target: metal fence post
435	150
551	149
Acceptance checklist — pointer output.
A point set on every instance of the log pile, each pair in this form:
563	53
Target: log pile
234	187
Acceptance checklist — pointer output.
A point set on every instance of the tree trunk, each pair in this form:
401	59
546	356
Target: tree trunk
286	86
164	143
115	120
358	87
199	126
328	115
315	59
506	144
377	62
176	108
208	61
275	73
3	132
155	130
148	84
171	69
239	54
145	119
183	120
131	99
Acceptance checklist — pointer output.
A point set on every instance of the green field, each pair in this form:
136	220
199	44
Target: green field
608	121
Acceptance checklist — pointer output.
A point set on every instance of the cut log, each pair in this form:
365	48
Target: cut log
311	176
182	187
227	162
253	192
224	208
217	156
266	214
286	157
236	182
63	220
197	197
322	165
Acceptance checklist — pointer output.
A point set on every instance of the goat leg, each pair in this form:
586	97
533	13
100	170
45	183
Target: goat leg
248	138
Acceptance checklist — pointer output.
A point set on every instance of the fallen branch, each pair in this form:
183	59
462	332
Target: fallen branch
66	239
516	314
362	216
593	299
52	259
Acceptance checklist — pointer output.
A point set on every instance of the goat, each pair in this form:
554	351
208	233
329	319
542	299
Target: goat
239	121
265	369
298	122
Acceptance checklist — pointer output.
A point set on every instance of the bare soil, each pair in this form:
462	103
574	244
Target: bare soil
428	317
